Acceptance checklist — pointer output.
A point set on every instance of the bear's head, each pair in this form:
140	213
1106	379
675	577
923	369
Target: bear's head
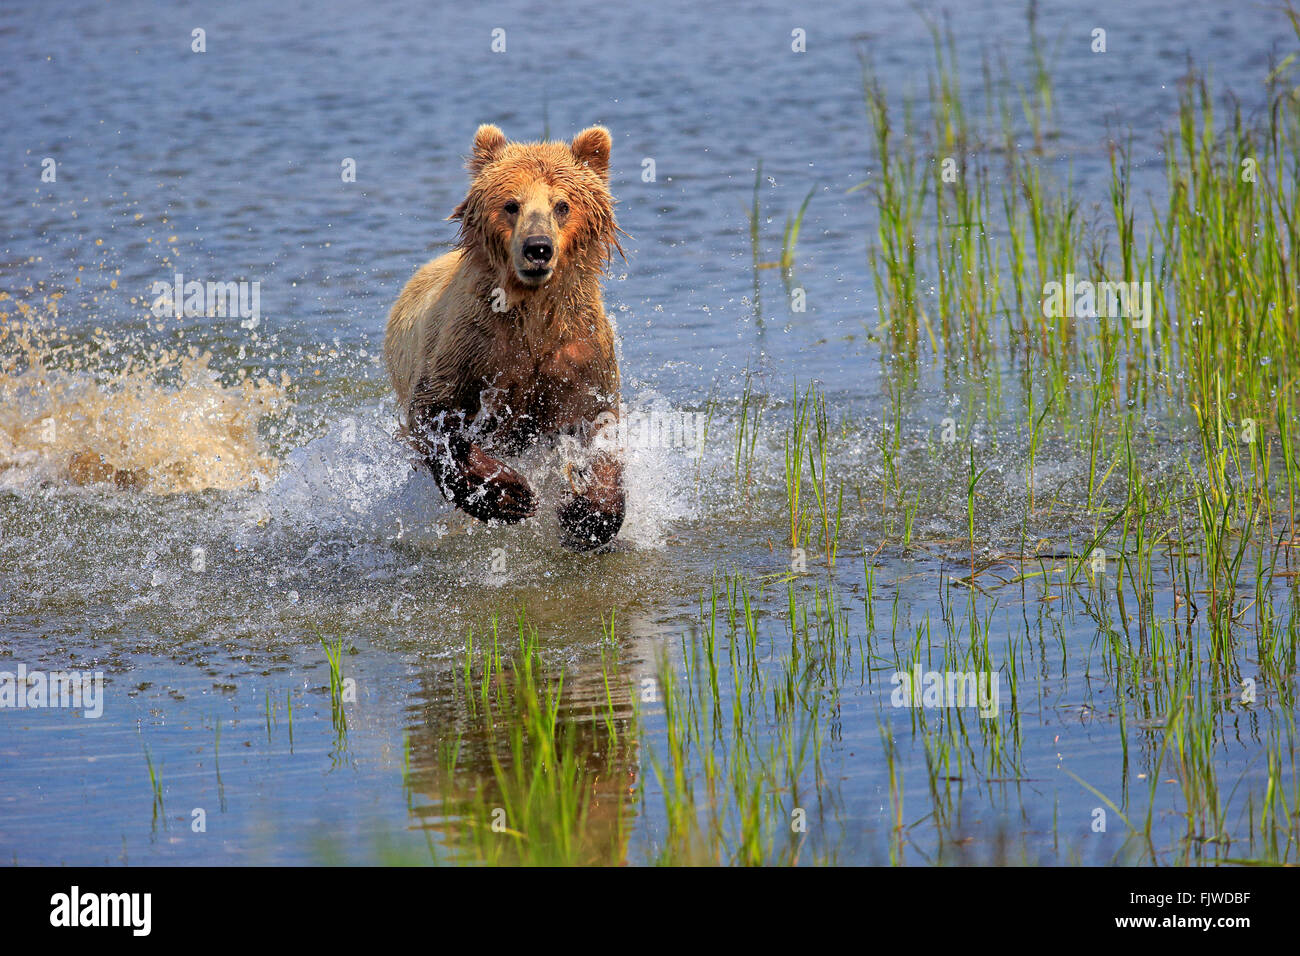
538	212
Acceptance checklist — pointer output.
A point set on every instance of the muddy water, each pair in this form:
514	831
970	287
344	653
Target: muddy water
188	503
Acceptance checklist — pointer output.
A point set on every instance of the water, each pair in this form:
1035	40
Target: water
243	492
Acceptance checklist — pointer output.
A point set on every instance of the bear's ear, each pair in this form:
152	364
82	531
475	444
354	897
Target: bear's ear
591	148
489	141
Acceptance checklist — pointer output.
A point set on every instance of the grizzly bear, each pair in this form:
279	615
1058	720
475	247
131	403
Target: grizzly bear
503	342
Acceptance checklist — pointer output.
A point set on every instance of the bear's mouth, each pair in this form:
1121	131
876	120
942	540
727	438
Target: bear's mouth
536	275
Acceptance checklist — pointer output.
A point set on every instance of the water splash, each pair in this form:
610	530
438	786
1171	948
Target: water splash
160	420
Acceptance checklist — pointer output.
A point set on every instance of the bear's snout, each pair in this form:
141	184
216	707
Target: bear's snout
534	256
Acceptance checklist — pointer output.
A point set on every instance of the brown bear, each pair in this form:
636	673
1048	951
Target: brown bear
503	342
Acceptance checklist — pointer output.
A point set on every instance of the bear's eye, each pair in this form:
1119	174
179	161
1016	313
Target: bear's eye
561	208
512	208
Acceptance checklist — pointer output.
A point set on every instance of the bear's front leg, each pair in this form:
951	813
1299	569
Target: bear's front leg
480	485
591	513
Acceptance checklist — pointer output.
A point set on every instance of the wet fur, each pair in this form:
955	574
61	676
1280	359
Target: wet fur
476	384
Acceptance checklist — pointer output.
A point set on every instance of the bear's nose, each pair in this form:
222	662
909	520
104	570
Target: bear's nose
538	249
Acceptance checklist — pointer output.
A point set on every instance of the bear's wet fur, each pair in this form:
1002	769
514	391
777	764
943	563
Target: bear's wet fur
504	342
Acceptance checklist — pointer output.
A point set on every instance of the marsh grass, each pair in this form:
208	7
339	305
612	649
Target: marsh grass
755	240
742	736
552	791
334	657
155	787
1181	551
749	420
790	243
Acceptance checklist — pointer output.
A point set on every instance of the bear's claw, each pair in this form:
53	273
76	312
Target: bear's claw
586	524
499	500
485	487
